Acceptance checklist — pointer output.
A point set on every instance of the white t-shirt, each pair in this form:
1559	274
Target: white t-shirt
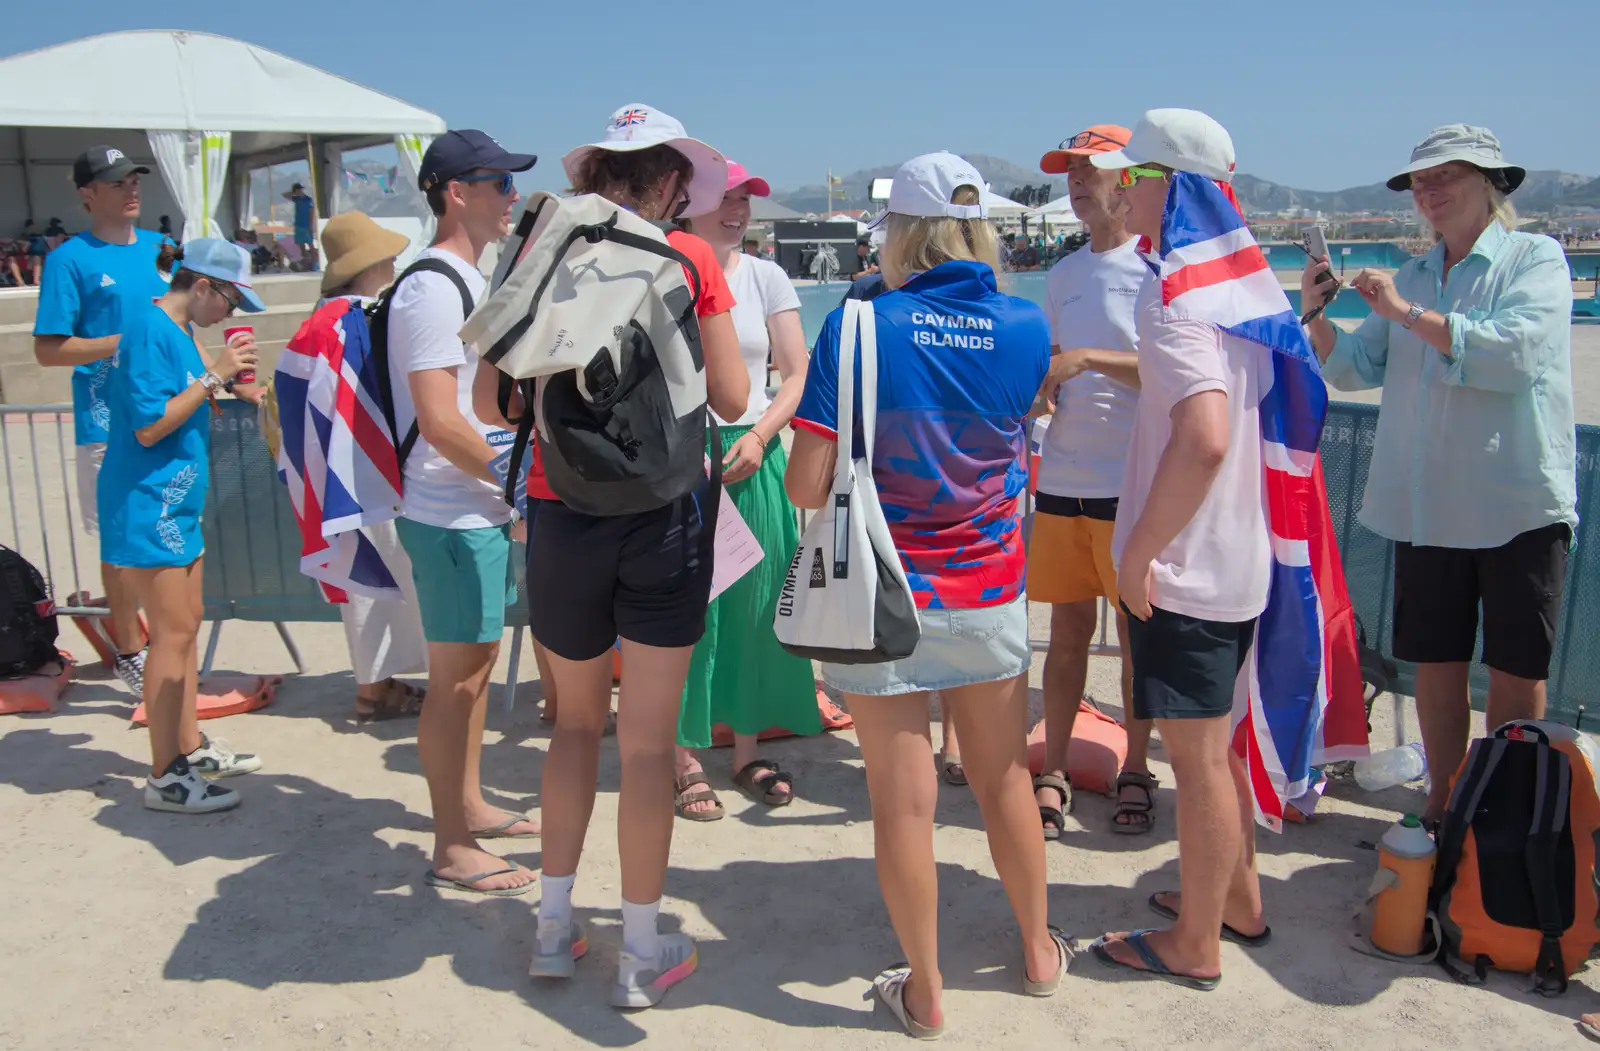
1090	299
424	321
760	289
1219	567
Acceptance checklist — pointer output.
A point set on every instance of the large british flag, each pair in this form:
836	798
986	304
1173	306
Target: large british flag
1298	701
337	455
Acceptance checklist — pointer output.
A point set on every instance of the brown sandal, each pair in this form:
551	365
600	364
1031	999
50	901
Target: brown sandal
397	701
764	789
1054	818
686	794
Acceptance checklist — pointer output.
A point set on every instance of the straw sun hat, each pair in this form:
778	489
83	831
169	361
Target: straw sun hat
352	242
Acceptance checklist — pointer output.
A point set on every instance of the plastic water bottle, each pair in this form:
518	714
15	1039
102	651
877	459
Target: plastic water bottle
1393	767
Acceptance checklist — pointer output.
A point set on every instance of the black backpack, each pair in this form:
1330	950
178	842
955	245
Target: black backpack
28	627
378	333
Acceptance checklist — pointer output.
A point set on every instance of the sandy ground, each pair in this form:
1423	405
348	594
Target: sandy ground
300	921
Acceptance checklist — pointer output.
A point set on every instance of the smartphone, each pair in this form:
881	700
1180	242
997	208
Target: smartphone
1317	246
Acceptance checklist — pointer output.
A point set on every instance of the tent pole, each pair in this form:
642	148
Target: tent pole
27	183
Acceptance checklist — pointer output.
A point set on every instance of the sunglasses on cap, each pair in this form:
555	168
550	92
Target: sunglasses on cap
1085	139
1134	174
501	180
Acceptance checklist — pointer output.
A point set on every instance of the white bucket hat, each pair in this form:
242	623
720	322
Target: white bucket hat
1461	142
639	127
1184	140
924	185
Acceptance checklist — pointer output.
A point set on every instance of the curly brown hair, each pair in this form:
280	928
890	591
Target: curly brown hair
631	178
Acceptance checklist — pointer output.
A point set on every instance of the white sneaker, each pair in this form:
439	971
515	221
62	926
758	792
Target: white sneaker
130	669
642	983
561	962
215	759
181	790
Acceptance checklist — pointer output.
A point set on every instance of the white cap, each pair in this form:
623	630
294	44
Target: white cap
639	127
1184	140
924	185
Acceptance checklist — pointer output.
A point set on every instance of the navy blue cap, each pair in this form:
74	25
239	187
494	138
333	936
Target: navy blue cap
455	153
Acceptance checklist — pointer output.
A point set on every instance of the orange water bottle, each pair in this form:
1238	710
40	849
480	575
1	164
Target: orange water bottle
1399	892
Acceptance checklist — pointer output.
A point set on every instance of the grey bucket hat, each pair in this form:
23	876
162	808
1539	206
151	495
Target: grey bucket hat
1461	142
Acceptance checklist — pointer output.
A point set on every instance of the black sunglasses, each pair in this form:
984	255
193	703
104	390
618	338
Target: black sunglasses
1084	139
230	295
1311	315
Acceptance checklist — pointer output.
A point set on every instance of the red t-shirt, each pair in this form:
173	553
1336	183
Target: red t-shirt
715	298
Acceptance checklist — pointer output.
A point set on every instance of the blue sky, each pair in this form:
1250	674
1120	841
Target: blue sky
791	89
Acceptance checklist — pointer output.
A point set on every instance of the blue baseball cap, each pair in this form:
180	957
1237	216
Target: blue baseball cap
455	153
225	261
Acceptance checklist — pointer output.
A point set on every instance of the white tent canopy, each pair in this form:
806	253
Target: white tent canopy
1057	213
200	109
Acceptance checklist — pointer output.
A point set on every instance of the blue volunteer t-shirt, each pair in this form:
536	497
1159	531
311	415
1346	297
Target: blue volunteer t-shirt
89	289
959	365
302	219
151	498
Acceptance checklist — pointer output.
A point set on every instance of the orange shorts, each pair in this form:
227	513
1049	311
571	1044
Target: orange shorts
1069	560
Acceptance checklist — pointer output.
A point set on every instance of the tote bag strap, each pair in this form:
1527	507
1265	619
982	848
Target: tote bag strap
844	423
869	377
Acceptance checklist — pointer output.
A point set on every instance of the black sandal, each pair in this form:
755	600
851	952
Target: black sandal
1127	807
1054	818
763	789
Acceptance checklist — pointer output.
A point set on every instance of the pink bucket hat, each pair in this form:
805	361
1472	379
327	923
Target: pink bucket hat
738	176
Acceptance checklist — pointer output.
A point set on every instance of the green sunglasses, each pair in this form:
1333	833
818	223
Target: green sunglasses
1133	175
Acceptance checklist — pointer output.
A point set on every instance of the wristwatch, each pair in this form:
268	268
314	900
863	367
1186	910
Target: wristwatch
1416	311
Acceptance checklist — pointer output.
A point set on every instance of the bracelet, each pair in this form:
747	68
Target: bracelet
211	382
759	440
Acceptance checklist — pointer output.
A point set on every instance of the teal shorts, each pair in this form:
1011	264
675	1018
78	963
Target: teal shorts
462	584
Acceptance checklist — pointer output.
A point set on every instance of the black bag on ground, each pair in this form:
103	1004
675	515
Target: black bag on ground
28	627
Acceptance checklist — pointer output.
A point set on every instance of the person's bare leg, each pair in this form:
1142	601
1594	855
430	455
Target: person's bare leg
746	750
458	676
189	736
1513	697
572	765
1066	673
122	598
1209	845
895	747
949	742
1244	911
170	669
547	680
1444	712
480	812
647	725
993	720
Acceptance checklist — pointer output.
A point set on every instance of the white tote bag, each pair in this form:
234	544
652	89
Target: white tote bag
846	599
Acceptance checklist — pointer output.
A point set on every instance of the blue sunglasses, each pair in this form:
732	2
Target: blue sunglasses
502	181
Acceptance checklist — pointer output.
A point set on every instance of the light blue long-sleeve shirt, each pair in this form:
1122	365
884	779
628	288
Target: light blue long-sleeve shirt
1475	448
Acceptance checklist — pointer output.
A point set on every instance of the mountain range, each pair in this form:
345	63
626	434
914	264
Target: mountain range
1544	191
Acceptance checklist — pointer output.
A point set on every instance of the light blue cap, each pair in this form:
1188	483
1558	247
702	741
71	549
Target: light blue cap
225	261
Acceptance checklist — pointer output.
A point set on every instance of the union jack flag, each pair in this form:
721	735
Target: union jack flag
631	116
337	455
1298	701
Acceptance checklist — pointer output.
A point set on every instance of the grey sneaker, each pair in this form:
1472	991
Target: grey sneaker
215	759
130	669
181	790
562	961
642	983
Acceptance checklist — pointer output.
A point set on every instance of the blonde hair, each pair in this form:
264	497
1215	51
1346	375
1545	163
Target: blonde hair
918	243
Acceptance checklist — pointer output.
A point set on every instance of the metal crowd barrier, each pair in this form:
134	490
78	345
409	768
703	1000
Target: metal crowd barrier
46	528
252	544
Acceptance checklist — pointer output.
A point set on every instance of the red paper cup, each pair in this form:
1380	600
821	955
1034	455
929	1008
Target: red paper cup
244	375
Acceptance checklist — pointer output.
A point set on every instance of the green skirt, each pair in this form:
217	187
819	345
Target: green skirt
739	675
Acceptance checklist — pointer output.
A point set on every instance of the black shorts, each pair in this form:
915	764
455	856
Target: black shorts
1437	591
1184	667
644	577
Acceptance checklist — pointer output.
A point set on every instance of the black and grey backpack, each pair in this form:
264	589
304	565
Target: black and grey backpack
593	319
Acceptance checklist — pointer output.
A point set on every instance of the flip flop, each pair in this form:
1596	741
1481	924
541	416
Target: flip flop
890	987
1153	965
466	884
762	789
499	831
1588	1028
1229	934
